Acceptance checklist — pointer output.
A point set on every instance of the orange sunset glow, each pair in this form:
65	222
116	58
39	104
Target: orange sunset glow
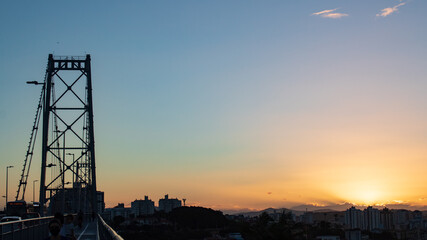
233	105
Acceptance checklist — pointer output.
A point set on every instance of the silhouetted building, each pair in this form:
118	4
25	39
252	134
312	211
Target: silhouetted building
400	219
307	218
328	238
118	210
386	219
333	217
354	218
142	207
417	221
353	234
371	218
101	203
167	204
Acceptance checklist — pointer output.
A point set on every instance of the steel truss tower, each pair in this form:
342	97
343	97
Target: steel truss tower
68	177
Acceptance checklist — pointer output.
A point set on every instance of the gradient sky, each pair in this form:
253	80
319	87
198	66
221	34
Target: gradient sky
233	104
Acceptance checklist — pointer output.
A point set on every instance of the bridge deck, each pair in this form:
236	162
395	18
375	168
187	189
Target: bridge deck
88	232
37	228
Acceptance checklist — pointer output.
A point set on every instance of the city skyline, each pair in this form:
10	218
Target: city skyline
233	105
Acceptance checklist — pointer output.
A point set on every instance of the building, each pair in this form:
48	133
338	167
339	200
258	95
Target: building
142	207
333	217
353	234
354	218
401	219
328	238
416	221
371	218
101	203
386	219
119	210
307	218
167	204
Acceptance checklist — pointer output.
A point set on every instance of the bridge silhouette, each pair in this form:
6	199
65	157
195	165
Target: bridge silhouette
68	170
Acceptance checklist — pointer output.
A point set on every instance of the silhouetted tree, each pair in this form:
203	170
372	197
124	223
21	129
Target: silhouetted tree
117	220
286	218
264	219
197	217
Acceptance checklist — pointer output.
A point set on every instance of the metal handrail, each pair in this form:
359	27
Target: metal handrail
107	231
27	220
27	229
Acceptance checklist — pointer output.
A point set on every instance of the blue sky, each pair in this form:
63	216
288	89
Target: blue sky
190	94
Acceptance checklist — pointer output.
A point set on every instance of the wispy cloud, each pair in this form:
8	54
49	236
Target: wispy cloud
330	13
324	11
335	15
387	11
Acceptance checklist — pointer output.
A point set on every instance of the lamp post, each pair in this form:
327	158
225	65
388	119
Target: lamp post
34	192
63	196
42	178
34	82
7	179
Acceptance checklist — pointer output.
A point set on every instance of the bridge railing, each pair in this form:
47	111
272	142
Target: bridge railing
31	229
106	232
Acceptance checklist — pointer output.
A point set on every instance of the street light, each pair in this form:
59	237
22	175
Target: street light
34	82
7	179
51	165
34	193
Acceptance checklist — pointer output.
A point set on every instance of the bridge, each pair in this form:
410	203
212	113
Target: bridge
68	170
37	229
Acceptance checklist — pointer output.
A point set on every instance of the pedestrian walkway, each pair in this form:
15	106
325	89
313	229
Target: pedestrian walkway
88	232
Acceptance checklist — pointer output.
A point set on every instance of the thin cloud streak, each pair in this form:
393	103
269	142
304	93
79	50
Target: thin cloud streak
330	13
335	15
324	11
387	11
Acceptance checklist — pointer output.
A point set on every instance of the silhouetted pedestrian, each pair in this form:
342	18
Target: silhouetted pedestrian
68	227
54	229
60	217
80	219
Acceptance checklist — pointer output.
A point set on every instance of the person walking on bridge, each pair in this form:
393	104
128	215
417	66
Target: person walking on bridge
80	218
54	228
68	227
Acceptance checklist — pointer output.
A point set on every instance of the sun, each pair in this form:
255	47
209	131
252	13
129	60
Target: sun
362	193
370	197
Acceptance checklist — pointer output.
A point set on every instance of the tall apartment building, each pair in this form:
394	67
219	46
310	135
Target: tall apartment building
400	219
386	219
372	218
101	203
368	219
167	204
142	207
354	218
